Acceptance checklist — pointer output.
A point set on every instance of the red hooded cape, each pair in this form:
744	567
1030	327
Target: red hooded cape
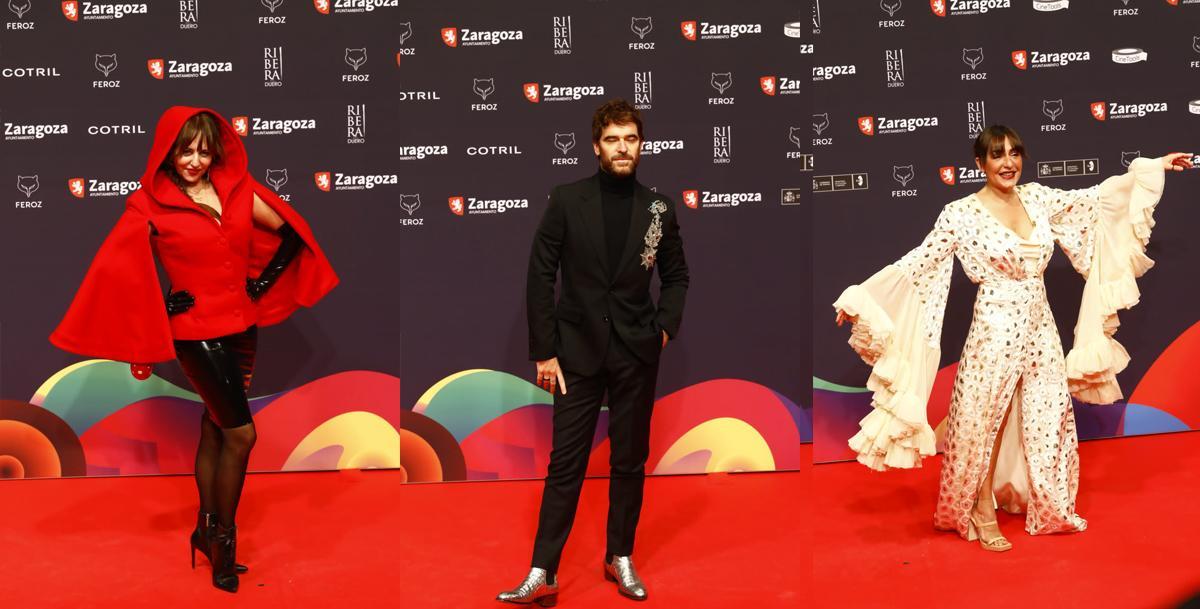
118	312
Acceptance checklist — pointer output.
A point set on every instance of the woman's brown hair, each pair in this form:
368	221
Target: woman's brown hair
206	126
991	141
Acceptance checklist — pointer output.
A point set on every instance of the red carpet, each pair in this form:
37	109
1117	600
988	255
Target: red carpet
351	539
876	547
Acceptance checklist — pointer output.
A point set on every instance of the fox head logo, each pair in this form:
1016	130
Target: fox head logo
322	6
564	141
1128	157
820	122
641	26
483	87
721	81
405	32
19	8
866	125
155	66
794	135
691	198
1052	108
903	174
322	180
890	6
410	203
767	83
947	175
271	5
27	184
450	36
456	205
532	91
276	178
938	7
356	57
106	63
70	10
76	186
688	29
1100	110
1196	43
1020	59
973	57
241	125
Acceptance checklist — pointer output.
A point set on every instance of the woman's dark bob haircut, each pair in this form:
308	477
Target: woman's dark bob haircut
990	141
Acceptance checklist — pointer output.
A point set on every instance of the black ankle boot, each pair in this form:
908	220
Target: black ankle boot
223	547
205	522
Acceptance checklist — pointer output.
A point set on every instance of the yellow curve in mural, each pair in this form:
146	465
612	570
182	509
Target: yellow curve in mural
732	445
366	441
44	390
427	397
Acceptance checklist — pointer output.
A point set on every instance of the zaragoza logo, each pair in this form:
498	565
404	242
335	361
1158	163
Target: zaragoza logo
323	180
76	186
947	175
156	67
691	198
457	205
241	125
866	124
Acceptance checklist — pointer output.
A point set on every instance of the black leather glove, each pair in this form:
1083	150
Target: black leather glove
178	302
289	245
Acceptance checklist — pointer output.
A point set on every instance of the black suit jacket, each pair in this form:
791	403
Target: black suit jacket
595	301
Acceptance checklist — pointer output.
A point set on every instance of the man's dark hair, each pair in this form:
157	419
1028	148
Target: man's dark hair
615	112
991	140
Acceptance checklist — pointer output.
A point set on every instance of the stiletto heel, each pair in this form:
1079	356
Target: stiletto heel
200	540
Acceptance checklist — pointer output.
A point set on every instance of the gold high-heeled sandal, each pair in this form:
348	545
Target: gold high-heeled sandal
995	544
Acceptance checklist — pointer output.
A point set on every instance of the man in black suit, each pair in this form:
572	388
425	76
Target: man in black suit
606	233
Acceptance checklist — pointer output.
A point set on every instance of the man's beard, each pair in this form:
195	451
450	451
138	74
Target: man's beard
612	169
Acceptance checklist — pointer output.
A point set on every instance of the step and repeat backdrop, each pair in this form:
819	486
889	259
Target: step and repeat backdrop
900	89
420	140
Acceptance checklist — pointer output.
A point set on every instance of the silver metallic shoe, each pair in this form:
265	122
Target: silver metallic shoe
535	589
621	570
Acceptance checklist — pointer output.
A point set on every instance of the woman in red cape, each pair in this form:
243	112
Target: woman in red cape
238	257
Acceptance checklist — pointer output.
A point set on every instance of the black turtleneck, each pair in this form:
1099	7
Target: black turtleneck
616	197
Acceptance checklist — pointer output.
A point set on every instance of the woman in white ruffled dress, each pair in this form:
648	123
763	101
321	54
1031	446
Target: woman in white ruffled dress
1013	382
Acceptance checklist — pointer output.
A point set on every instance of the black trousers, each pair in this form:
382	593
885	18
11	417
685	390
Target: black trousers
220	370
629	384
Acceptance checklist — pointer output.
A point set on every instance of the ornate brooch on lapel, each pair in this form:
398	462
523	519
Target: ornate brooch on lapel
653	234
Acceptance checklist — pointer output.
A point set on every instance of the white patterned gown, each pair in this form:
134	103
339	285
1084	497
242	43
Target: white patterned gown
1013	354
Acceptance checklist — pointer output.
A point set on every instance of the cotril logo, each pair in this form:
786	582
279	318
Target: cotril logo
77	188
866	125
767	84
532	91
450	36
457	205
156	67
70	10
241	125
323	180
947	175
689	30
691	198
1100	110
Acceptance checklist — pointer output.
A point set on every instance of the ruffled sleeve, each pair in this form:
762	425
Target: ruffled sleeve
897	324
1105	230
